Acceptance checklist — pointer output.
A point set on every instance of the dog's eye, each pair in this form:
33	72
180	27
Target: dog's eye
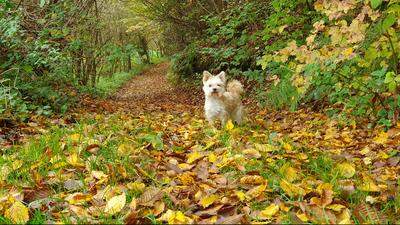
209	85
219	85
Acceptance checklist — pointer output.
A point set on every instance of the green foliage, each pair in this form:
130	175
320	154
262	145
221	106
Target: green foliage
347	61
109	84
46	60
232	42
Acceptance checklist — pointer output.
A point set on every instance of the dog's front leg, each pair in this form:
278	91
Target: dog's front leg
224	118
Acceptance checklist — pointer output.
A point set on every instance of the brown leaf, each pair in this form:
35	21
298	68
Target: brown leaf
93	148
320	216
151	195
235	219
367	214
159	208
209	212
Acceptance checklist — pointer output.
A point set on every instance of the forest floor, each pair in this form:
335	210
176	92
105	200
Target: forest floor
146	155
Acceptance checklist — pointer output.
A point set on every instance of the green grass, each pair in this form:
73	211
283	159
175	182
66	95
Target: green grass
107	85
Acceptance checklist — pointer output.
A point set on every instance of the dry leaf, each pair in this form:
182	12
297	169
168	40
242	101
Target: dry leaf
115	204
270	211
207	201
17	213
347	170
252	179
291	189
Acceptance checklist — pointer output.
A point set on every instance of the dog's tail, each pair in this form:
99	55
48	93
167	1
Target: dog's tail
235	87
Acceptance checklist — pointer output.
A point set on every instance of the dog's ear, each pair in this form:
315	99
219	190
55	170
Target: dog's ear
222	76
206	75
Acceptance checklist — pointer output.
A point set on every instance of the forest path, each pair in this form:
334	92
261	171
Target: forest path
146	155
150	91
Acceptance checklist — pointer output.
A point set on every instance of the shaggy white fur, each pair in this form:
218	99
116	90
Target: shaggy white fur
222	101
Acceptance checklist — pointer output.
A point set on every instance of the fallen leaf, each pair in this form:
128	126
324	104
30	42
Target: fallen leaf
192	157
207	201
368	186
251	153
17	213
229	125
347	170
159	208
256	191
381	138
270	211
291	189
252	179
78	198
115	204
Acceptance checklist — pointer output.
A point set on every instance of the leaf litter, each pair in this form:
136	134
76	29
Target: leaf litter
170	166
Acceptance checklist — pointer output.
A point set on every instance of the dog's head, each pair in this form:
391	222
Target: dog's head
214	85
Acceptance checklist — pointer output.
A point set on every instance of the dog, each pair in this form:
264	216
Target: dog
222	101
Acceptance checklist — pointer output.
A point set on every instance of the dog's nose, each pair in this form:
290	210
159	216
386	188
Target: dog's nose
214	89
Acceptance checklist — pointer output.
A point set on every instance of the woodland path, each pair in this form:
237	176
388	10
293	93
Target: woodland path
151	92
146	155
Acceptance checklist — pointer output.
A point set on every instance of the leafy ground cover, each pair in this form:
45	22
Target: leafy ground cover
149	157
108	85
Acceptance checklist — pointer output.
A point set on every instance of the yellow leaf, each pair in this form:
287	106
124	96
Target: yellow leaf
347	52
289	173
367	160
302	217
269	211
252	179
336	207
282	28
115	204
369	186
124	149
17	213
291	189
264	148
287	147
240	195
212	158
207	201
180	216
256	191
98	175
78	198
229	125
175	217
136	186
75	137
193	157
344	217
383	155
74	160
185	166
346	169
365	151
381	138
186	178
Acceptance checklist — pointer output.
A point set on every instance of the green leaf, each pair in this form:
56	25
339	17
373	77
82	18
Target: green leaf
389	77
392	86
376	3
388	22
42	3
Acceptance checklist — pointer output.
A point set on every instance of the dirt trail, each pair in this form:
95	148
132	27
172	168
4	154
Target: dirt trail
150	91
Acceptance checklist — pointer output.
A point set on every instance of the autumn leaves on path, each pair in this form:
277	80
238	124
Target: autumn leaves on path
160	166
151	92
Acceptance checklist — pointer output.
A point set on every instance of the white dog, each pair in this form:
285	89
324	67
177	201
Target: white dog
222	101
